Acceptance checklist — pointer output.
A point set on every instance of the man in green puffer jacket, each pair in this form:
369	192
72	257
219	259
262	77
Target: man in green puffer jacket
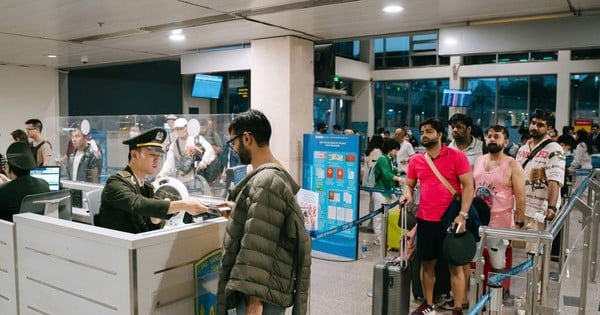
266	260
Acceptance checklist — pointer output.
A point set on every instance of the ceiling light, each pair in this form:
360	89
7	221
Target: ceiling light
176	35
393	9
52	56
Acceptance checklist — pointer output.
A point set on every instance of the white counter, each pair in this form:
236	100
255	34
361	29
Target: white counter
71	268
8	276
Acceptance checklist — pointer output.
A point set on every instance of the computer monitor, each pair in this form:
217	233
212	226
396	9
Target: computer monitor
56	204
207	86
456	98
51	174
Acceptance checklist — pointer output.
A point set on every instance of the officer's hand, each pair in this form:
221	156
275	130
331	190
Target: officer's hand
196	207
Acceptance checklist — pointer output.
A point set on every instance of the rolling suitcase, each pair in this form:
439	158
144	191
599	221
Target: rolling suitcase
391	283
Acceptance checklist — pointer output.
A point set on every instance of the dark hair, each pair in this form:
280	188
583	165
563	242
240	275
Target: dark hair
376	141
389	144
255	122
499	128
19	135
546	116
567	140
435	124
17	170
477	132
566	129
582	136
36	123
595	126
337	126
462	118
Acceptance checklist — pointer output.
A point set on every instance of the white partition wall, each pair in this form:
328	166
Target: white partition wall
71	268
8	276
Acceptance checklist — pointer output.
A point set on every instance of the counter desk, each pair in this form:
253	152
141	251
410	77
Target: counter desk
8	276
67	267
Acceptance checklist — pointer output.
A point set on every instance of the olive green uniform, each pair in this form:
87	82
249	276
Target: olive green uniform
12	193
128	205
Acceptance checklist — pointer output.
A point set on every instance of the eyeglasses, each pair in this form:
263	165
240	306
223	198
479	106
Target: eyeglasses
230	142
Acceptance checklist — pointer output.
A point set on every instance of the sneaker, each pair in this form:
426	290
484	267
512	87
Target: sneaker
457	311
424	309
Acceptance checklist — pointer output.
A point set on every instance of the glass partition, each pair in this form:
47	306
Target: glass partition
90	149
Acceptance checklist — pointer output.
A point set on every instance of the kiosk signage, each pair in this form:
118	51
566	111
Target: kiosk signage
206	274
331	167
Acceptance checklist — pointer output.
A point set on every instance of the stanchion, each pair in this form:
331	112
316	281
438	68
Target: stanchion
496	295
384	219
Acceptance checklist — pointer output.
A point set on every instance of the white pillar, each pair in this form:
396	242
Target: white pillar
563	90
282	79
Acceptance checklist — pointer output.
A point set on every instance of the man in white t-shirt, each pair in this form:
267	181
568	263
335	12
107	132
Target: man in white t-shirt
405	152
544	173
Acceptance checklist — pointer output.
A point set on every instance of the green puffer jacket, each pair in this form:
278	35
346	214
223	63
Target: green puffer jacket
266	249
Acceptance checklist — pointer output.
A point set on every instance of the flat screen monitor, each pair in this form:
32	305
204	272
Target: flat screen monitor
56	204
457	98
51	174
207	86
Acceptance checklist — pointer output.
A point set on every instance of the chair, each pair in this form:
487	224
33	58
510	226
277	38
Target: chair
93	201
55	204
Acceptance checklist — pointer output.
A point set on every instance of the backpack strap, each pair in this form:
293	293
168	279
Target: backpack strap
536	150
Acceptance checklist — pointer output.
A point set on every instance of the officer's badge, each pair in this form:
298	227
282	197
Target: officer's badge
160	136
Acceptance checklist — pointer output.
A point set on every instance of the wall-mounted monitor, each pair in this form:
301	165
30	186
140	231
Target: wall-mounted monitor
207	86
51	174
457	98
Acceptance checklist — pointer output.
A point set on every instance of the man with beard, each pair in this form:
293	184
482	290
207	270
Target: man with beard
128	202
434	200
265	265
462	126
500	182
544	173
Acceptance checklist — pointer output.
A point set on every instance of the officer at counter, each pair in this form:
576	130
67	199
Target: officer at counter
127	202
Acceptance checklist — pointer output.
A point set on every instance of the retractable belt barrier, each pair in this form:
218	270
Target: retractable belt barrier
497	279
318	235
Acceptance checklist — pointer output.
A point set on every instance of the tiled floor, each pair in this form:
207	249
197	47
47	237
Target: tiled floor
343	287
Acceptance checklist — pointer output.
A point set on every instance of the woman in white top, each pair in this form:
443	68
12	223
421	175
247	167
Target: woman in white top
583	152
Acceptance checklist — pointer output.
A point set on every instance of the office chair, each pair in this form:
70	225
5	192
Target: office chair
55	204
93	201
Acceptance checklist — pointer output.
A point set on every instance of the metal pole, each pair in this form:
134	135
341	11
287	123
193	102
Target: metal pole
531	299
585	269
384	219
495	304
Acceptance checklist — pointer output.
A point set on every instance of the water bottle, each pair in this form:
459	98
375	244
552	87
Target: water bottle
364	249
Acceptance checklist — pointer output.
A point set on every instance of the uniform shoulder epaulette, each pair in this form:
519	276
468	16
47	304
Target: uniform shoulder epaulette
148	184
124	174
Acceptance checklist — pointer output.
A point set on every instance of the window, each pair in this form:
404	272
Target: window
585	96
412	50
585	54
408	102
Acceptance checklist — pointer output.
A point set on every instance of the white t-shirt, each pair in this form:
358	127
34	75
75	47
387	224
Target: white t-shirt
76	160
548	164
406	151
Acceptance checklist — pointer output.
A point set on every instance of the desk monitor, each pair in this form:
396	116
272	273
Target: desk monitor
51	174
56	204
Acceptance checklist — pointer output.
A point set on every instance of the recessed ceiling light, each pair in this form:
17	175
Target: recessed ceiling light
393	9
176	35
51	56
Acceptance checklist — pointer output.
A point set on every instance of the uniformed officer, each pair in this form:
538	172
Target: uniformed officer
20	161
127	202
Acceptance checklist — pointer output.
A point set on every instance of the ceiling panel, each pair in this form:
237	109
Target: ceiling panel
138	29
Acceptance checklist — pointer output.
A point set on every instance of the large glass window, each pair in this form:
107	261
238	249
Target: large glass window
508	100
412	50
585	96
408	102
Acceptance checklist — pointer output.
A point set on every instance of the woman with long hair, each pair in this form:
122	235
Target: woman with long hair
582	157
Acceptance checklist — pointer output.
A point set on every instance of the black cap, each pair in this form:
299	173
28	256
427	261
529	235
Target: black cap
459	249
151	139
19	155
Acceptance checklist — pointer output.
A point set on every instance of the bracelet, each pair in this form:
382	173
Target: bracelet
553	208
466	215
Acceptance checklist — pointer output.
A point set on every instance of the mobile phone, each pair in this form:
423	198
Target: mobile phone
454	230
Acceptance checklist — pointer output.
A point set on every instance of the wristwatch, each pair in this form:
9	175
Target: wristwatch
466	215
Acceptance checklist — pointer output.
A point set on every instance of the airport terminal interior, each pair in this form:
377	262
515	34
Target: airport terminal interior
107	71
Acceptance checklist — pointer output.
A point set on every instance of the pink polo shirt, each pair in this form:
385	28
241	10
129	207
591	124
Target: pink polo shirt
434	196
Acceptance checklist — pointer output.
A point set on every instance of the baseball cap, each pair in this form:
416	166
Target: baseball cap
171	117
180	122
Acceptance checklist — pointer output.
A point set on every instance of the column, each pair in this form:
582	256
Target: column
282	79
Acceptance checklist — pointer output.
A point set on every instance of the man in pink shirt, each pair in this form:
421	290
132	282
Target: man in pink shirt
434	200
